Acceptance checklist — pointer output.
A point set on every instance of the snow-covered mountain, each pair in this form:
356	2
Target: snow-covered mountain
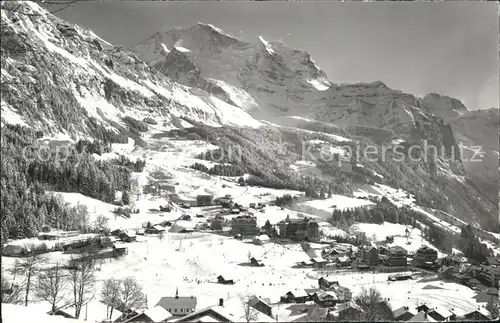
71	81
60	78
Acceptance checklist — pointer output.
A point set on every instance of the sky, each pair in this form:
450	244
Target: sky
449	48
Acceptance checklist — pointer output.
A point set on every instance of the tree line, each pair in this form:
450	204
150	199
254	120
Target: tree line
25	205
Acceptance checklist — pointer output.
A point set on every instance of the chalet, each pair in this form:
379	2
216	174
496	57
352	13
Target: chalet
396	256
440	313
204	200
369	255
326	284
261	305
256	263
349	311
178	306
477	315
210	314
445	272
331	253
403	314
295	297
127	236
319	262
260	240
325	298
222	280
155	315
425	257
252	205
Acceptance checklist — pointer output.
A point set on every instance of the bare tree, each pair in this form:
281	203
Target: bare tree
374	307
27	268
132	296
110	295
51	285
249	312
82	281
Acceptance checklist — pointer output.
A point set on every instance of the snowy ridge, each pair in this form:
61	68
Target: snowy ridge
266	45
237	95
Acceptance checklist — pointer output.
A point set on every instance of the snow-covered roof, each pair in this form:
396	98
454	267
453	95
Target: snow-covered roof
158	314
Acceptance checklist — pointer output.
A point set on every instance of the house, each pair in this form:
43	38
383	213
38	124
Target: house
178	306
261	305
299	229
155	229
252	205
425	257
369	255
260	240
127	236
222	280
460	278
245	225
476	315
204	200
326	284
325	298
210	314
318	262
396	256
440	313
445	272
473	283
155	315
342	261
256	263
295	297
349	311
421	317
403	314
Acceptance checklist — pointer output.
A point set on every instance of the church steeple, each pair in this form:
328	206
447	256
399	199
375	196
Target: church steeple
177	292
